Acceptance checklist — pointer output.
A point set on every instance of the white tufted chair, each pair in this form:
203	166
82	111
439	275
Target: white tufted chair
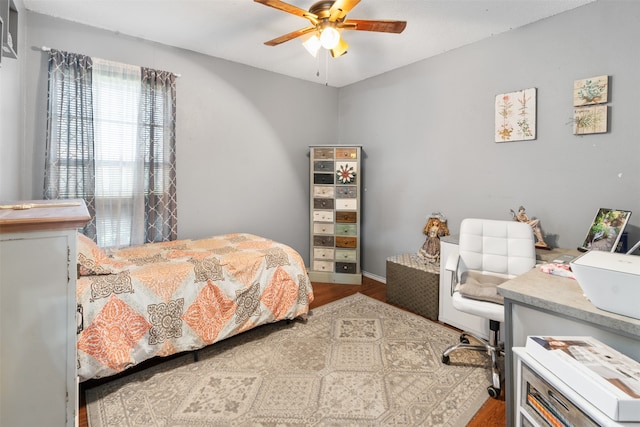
490	252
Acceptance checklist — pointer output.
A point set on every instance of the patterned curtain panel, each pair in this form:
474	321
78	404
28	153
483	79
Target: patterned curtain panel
158	133
69	162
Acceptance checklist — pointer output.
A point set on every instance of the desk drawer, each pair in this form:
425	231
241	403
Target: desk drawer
542	401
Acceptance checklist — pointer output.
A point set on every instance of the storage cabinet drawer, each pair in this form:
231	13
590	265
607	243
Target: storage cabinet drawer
346	153
346	229
323	241
346	242
323	228
323	166
323	191
323	216
323	178
346	255
346	204
322	153
323	266
345	267
346	192
321	253
323	203
346	216
346	173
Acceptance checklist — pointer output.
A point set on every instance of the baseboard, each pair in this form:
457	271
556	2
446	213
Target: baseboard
375	277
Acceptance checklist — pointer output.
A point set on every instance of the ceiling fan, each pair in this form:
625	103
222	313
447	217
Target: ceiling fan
327	17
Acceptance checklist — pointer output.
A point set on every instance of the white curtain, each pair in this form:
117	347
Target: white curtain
119	154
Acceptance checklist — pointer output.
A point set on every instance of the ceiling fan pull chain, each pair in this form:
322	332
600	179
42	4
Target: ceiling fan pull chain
326	67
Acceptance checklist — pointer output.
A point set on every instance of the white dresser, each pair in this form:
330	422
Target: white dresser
38	271
335	184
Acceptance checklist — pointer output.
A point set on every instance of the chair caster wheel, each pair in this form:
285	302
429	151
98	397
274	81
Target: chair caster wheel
464	340
493	392
445	360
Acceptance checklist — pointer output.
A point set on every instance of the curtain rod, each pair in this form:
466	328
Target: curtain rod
48	49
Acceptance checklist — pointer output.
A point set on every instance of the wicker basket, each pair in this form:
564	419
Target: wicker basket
413	284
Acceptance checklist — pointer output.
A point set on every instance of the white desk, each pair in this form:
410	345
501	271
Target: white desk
541	304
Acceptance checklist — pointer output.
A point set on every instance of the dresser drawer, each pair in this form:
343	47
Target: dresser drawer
346	192
346	229
346	153
323	191
323	266
346	217
346	173
346	255
345	267
323	203
323	228
323	216
323	153
322	253
323	166
346	242
323	178
323	241
346	204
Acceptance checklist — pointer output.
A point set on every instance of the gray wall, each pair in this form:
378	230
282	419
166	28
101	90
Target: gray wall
427	130
12	119
242	133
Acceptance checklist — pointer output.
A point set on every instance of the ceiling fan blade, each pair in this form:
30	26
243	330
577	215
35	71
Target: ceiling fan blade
340	49
292	35
379	26
340	8
289	8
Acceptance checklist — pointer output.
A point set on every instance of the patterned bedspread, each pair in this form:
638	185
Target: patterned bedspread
162	298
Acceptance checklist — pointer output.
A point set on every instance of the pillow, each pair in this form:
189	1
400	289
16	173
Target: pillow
483	287
93	260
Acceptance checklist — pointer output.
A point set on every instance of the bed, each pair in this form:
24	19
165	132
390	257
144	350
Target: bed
160	299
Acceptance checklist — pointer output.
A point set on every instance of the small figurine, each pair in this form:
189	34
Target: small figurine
435	228
521	216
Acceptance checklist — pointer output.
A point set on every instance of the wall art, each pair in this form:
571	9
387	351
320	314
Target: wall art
515	116
594	90
590	119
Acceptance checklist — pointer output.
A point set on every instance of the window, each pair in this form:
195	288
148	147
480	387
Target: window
114	147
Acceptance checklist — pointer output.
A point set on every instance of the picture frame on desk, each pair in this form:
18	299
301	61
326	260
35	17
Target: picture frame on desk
605	230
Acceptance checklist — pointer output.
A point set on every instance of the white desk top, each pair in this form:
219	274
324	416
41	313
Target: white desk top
564	297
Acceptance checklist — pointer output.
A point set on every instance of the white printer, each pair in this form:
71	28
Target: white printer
611	281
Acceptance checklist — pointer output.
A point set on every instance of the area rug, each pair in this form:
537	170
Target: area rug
354	362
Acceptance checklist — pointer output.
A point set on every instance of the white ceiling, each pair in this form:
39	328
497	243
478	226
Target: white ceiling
237	29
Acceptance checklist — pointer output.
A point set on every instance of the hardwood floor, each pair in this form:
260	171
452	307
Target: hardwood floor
493	413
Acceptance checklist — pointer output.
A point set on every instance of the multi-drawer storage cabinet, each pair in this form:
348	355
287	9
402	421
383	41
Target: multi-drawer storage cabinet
335	214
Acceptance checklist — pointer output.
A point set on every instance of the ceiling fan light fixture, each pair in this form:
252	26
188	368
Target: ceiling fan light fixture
329	37
340	49
312	44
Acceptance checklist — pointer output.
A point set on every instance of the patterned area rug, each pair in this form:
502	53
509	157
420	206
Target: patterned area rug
354	362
